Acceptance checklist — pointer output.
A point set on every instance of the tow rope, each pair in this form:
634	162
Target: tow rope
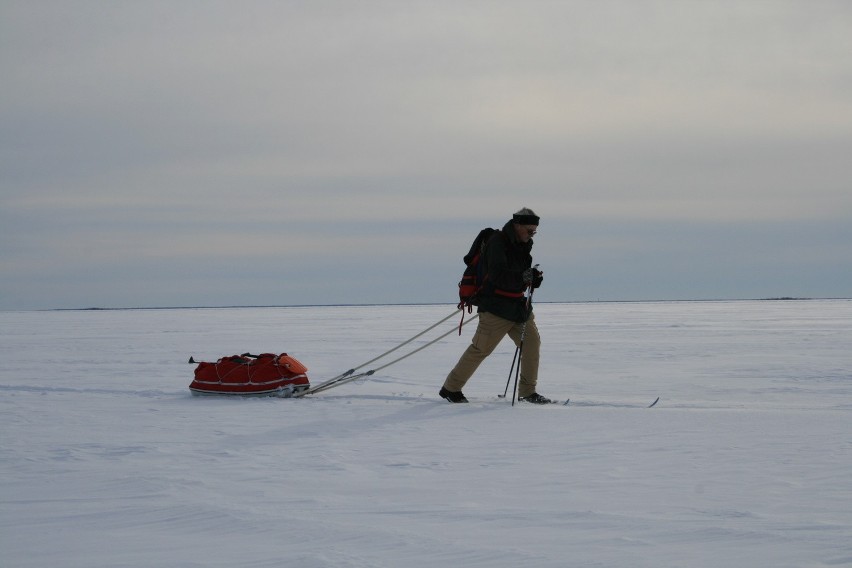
350	375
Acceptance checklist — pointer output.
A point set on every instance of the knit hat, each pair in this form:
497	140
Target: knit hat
525	217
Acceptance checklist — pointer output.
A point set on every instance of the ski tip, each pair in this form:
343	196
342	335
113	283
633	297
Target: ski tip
654	403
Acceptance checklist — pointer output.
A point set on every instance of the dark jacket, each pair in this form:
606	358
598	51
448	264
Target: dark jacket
505	259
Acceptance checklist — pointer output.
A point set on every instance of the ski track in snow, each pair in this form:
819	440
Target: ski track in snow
106	460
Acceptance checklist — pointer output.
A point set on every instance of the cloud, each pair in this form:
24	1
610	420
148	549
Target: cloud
336	131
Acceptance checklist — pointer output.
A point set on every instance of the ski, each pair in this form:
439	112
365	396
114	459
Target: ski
562	402
567	402
613	404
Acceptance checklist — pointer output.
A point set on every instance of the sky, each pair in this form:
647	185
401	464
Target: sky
204	153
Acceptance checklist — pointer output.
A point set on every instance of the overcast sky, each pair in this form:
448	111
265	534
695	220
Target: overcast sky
201	153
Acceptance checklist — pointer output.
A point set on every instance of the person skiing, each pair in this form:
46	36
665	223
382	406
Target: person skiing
503	309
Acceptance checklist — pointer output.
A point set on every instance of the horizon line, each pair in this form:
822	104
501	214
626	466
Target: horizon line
348	305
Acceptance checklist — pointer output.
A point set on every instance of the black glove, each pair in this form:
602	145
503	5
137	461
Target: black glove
531	274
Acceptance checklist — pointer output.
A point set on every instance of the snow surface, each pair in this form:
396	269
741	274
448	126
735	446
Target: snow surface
107	460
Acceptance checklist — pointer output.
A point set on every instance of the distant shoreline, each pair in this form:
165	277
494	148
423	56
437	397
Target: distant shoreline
98	309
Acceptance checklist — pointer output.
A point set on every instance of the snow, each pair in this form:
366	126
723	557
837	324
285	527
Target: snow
106	460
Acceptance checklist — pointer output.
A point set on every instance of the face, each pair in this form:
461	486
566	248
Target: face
525	232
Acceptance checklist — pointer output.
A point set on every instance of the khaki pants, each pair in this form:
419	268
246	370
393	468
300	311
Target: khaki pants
490	331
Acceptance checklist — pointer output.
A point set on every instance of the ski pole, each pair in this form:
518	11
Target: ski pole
509	378
521	354
520	357
520	349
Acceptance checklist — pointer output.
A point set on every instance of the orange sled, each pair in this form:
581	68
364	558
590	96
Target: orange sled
266	374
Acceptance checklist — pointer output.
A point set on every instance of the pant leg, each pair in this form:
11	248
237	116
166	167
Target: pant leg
529	355
490	331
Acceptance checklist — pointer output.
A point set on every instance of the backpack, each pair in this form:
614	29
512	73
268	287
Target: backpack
474	277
